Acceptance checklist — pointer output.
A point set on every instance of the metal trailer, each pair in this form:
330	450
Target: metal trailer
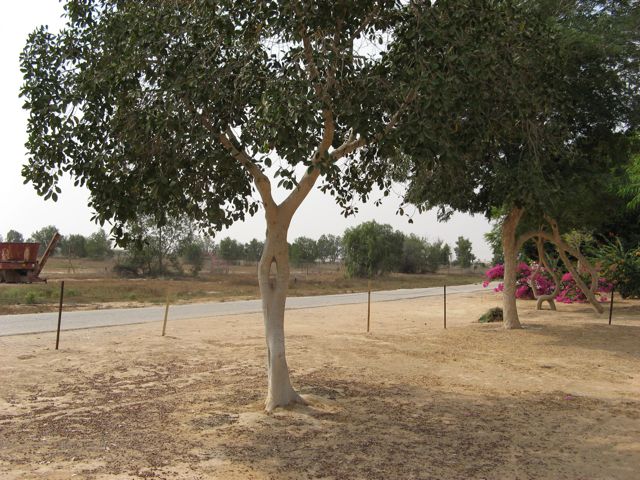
19	261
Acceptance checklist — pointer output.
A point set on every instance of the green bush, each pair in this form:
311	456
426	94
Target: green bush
30	298
492	315
620	267
372	249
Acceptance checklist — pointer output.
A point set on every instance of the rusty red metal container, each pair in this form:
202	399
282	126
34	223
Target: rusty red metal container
19	261
15	256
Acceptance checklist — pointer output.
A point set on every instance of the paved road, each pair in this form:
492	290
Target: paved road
47	322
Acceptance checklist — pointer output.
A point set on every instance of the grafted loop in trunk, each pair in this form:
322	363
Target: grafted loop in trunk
542	262
274	284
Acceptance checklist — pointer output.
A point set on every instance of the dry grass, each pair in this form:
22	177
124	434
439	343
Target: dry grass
91	285
557	400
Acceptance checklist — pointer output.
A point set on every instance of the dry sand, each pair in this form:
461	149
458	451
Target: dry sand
559	399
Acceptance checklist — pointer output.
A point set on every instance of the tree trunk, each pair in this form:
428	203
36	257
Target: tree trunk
542	262
273	277
563	249
509	245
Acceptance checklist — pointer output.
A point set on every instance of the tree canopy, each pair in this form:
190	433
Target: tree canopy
563	116
183	104
372	249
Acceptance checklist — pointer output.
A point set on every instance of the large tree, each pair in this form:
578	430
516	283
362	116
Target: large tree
547	134
372	249
303	251
186	108
14	236
464	253
43	237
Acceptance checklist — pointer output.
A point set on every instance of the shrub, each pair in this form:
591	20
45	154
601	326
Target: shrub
492	315
30	298
569	290
621	267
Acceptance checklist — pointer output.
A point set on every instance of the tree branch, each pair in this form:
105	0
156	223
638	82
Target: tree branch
563	248
350	145
232	145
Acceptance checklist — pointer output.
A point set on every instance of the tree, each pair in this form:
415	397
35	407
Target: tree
303	251
192	251
630	189
538	147
464	255
329	248
74	245
445	254
231	250
184	105
14	236
438	253
154	245
494	239
413	254
372	249
98	245
253	250
43	237
420	256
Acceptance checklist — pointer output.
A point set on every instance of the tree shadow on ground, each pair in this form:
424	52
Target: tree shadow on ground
380	432
619	339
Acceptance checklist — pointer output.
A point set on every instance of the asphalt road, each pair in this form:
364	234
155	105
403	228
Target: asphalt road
47	322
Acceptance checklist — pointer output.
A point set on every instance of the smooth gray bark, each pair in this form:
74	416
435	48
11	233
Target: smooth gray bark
509	244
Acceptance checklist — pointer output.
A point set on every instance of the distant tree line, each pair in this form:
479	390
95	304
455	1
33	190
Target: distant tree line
368	249
95	246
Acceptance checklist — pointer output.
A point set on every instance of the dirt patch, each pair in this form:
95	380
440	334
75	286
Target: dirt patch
559	399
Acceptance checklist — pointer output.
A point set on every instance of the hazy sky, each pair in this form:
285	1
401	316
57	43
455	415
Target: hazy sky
23	210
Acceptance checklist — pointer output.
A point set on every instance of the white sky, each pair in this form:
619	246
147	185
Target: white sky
21	209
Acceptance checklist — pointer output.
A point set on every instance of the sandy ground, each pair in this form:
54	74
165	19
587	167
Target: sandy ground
557	400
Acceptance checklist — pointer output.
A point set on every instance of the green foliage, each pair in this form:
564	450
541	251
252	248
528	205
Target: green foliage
193	253
74	245
231	250
494	238
631	188
14	236
464	255
620	266
372	249
43	237
303	251
156	250
98	245
438	253
329	248
492	315
543	136
253	250
420	256
30	298
133	99
414	255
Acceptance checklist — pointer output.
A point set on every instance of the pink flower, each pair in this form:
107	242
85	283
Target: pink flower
524	292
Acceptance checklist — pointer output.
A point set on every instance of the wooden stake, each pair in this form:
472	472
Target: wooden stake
445	305
60	314
166	314
611	305
369	307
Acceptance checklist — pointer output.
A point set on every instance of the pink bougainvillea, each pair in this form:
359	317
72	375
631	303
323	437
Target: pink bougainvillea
571	293
569	290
